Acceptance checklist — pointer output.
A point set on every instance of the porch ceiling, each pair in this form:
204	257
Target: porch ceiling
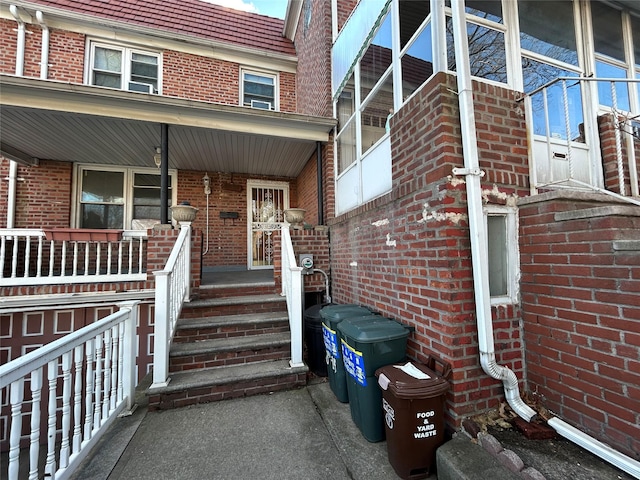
77	123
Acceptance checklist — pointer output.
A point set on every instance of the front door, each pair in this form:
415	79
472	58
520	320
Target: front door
266	203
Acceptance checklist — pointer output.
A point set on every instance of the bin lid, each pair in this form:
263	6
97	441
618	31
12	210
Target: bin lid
312	313
338	313
372	329
411	380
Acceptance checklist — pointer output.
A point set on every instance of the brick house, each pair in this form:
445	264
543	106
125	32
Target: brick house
485	194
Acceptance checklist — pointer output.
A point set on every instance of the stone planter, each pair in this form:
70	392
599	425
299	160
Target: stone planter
295	216
183	213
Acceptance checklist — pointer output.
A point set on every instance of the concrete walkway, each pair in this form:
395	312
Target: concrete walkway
303	434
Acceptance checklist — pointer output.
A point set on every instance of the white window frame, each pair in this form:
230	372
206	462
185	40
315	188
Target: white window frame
512	253
125	73
261	73
129	175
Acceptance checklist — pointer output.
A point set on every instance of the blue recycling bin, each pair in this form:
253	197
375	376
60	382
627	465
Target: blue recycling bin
332	315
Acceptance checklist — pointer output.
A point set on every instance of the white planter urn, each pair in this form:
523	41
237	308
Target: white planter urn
295	216
183	213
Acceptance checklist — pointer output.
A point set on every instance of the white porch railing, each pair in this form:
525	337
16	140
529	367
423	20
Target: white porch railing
28	257
172	290
90	378
565	140
292	289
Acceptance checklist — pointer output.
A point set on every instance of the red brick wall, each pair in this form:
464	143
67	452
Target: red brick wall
407	254
315	242
313	46
227	237
307	187
43	194
582	315
8	45
66	56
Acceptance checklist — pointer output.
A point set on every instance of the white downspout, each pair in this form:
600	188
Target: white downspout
44	55
479	258
479	255
13	165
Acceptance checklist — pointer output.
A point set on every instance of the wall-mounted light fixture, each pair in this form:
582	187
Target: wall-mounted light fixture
207	184
157	157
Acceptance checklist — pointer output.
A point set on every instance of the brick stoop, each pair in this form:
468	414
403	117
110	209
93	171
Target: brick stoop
229	347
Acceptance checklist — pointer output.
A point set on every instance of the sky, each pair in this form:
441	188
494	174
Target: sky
272	8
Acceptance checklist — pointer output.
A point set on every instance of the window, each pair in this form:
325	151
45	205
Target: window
119	198
502	249
259	90
124	68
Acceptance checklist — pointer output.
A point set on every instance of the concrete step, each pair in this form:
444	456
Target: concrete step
220	383
208	328
228	351
235	305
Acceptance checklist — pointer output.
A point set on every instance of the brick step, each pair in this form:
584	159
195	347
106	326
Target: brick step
220	383
208	328
229	351
236	305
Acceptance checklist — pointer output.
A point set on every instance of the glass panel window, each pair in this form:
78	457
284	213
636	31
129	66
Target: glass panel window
548	105
487	51
259	90
547	28
489	9
123	68
346	103
376	114
412	16
417	63
146	196
605	89
498	258
377	58
107	68
102	199
346	147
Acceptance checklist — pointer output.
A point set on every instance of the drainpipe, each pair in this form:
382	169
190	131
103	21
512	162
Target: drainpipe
319	182
479	255
44	56
13	165
479	260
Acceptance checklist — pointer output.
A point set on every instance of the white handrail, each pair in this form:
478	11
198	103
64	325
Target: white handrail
94	368
172	290
32	259
292	290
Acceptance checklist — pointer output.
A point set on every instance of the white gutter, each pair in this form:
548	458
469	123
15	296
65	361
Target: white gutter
44	55
13	165
479	258
479	255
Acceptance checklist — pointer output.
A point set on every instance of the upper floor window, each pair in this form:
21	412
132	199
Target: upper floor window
124	68
259	90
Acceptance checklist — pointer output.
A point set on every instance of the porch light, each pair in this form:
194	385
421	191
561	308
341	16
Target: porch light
157	157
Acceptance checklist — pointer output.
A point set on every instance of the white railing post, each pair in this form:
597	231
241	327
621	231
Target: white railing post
292	289
129	352
187	259
161	330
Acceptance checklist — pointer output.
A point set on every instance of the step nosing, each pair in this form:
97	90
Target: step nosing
230	344
239	300
228	374
231	320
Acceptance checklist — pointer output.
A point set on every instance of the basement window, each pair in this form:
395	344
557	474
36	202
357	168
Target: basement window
502	253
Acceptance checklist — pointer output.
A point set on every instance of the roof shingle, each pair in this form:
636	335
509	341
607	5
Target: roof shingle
191	17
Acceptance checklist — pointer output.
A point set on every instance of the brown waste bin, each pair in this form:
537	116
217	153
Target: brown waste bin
413	404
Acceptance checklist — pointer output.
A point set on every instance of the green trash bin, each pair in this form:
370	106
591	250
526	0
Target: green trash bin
369	343
331	316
